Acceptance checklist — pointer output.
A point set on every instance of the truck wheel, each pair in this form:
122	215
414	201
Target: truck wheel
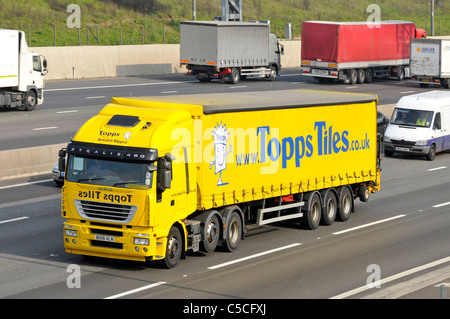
31	101
314	212
233	232
211	234
345	204
174	248
353	76
432	153
364	193
273	74
361	76
329	208
445	83
369	75
400	73
234	76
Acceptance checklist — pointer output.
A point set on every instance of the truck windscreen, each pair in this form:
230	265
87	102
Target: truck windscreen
108	173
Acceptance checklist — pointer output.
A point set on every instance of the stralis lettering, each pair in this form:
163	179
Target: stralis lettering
108	197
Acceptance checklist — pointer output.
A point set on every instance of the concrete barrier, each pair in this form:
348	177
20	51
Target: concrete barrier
28	161
83	62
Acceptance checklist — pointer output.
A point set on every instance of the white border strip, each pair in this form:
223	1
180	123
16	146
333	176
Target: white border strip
137	290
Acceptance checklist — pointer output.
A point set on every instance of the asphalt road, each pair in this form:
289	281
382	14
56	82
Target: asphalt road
398	240
68	104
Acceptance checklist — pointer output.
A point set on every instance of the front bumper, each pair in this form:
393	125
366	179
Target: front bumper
102	240
412	149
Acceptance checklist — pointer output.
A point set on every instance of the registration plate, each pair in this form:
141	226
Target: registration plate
104	238
402	149
320	72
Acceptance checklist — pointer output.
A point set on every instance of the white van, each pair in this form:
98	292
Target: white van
420	124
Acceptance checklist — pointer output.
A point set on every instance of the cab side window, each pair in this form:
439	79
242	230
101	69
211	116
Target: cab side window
37	64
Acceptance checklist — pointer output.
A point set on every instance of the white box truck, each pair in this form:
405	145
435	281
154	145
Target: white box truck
21	72
229	50
430	62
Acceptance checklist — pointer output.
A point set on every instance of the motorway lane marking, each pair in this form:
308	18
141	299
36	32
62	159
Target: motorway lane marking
437	168
407	92
64	112
45	128
369	224
441	205
116	86
95	97
392	278
137	290
238	87
26	184
254	256
168	92
13	220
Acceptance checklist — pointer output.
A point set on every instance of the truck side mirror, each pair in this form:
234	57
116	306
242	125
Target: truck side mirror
167	175
62	160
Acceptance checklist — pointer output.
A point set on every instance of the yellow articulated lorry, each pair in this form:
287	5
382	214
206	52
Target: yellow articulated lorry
148	179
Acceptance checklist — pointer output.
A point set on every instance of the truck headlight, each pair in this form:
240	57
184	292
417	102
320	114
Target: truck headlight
71	232
387	139
141	241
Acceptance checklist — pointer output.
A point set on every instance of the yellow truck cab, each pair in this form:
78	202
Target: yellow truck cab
151	178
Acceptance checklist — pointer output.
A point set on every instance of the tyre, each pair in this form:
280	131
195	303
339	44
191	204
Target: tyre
445	83
313	213
234	76
174	248
233	232
369	75
273	74
432	153
210	234
364	193
400	73
31	101
329	208
353	77
345	204
361	76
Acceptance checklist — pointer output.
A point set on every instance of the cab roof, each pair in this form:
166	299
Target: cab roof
428	101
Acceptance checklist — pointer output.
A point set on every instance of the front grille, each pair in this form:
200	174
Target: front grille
105	211
403	142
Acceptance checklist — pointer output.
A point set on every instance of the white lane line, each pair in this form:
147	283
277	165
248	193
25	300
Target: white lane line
407	92
137	290
13	220
391	278
368	225
64	112
437	168
441	205
254	256
238	87
45	128
351	87
95	97
167	92
26	184
116	86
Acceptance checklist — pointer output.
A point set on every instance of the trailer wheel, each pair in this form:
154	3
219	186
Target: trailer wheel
313	212
234	77
31	101
361	76
173	248
233	232
369	75
329	208
364	193
345	204
353	76
211	234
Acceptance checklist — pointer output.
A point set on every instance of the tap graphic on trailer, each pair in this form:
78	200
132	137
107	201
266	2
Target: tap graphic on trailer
220	135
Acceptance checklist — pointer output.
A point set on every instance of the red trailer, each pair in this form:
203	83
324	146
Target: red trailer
357	52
